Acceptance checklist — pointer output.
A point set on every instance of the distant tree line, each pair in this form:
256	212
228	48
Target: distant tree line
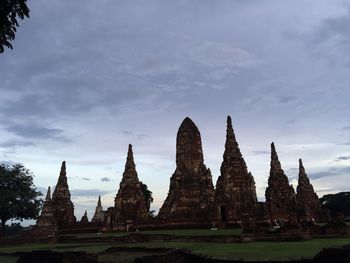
337	203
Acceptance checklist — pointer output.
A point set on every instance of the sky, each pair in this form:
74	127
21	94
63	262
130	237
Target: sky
86	78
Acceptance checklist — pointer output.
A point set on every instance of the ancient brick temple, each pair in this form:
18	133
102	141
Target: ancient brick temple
280	196
63	206
235	193
99	215
47	222
309	208
191	193
84	219
130	206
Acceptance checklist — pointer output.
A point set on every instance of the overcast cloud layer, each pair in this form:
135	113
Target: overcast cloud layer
87	78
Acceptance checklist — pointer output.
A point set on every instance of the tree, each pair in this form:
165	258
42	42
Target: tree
18	195
337	203
147	194
10	11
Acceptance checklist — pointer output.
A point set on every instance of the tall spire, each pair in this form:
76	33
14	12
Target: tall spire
99	213
275	163
231	145
303	178
301	168
130	167
280	196
62	179
48	194
230	135
64	208
235	187
99	201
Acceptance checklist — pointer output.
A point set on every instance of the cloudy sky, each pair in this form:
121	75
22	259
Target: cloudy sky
86	78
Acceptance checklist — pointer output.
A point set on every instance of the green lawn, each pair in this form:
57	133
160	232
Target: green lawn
247	251
174	232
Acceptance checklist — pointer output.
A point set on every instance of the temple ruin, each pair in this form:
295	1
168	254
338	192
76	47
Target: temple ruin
64	208
235	193
280	196
308	204
130	206
190	199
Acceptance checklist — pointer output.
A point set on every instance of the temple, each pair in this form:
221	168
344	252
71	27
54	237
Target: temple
190	199
99	215
130	207
235	193
280	196
64	208
308	204
47	221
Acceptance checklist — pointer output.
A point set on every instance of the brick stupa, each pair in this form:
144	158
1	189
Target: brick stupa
309	208
47	223
130	206
280	196
235	193
191	193
64	208
99	215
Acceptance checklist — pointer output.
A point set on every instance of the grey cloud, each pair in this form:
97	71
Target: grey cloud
16	143
331	40
85	178
286	99
332	171
35	131
132	135
342	158
88	192
346	128
105	179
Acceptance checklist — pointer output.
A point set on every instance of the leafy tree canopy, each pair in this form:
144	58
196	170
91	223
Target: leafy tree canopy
18	195
147	195
336	203
10	11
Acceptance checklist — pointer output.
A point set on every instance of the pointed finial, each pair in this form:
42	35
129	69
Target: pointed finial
229	120
63	169
130	156
99	201
48	194
273	149
275	163
85	214
301	168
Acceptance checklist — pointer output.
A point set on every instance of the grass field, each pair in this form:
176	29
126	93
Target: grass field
174	232
247	251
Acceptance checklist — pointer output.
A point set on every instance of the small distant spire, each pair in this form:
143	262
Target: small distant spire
48	194
85	214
